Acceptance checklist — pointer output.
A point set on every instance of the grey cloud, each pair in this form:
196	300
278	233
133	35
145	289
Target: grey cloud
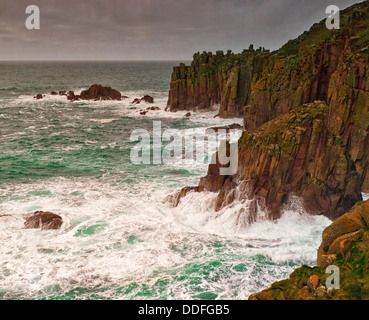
152	29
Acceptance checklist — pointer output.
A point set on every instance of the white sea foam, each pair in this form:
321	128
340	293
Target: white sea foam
138	239
119	234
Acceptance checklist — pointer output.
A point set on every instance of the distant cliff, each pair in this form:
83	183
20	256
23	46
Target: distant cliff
306	115
223	79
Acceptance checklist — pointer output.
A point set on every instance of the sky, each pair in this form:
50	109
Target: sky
152	29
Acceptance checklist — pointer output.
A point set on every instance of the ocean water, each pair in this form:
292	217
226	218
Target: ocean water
120	239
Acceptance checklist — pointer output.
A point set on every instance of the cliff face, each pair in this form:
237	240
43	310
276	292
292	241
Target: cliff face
216	79
317	151
261	85
289	80
345	244
258	84
294	154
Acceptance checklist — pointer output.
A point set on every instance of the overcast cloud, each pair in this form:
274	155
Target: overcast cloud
152	29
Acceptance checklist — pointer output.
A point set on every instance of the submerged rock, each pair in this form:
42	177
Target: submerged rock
71	96
175	198
234	126
6	217
153	108
146	99
43	220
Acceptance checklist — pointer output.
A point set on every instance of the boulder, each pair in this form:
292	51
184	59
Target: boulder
146	99
313	283
342	232
98	92
71	96
43	220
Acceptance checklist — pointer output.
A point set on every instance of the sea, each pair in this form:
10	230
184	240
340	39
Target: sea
120	238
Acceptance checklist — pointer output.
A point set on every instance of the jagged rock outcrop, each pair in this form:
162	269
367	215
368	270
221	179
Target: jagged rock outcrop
345	244
44	220
147	99
176	197
216	79
343	232
98	92
294	154
317	151
95	92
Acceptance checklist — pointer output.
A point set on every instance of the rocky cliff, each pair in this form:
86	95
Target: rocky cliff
306	121
345	244
261	85
222	79
294	154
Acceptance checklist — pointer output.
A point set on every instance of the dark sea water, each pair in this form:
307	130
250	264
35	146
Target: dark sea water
119	239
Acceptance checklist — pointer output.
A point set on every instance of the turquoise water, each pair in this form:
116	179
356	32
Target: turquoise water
119	239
